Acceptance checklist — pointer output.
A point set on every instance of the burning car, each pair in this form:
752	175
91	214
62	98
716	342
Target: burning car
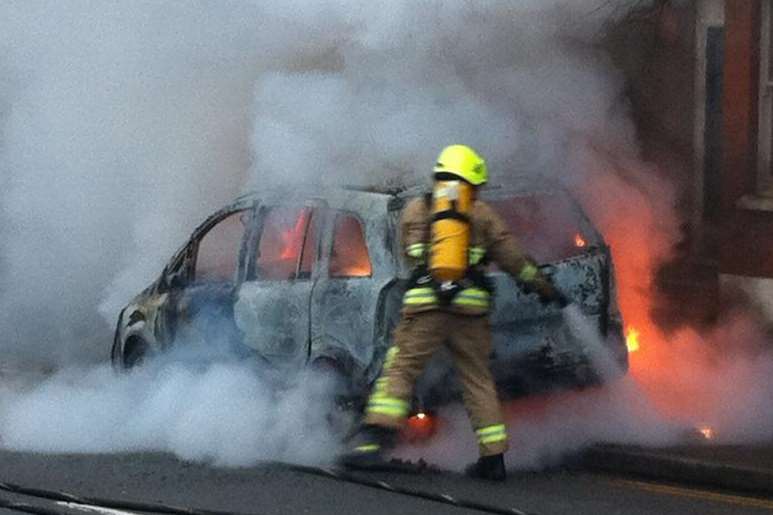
317	279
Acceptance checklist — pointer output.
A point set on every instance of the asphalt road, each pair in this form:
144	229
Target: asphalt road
277	489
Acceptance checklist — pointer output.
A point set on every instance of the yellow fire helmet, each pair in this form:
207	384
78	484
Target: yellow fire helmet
462	162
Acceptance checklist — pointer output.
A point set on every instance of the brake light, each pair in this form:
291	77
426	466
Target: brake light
420	427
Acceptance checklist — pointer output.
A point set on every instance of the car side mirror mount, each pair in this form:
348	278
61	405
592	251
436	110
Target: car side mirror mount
175	280
170	281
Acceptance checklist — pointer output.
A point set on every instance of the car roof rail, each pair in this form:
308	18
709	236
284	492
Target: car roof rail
381	190
395	190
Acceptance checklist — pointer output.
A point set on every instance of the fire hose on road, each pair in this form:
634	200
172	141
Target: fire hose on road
117	504
339	475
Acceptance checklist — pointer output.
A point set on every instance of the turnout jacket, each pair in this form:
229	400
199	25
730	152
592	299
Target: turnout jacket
490	241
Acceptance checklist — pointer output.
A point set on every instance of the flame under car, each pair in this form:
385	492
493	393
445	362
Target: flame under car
296	280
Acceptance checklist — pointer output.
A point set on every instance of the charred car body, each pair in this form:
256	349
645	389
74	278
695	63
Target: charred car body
317	280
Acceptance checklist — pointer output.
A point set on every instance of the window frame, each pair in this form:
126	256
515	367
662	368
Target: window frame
764	182
261	212
194	247
583	226
336	213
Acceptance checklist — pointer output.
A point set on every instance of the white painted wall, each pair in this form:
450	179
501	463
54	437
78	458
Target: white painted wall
759	290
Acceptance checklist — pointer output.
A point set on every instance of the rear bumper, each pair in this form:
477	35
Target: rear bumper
549	368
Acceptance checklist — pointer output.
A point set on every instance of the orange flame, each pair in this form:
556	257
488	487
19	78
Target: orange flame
293	238
707	432
632	339
579	241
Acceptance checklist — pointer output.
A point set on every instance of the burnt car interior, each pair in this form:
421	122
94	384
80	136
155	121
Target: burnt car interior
217	255
287	244
349	254
547	226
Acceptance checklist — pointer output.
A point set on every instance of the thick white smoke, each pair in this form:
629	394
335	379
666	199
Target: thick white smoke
220	412
408	77
124	124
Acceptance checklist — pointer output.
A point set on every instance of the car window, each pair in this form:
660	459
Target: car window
546	226
287	245
218	250
349	255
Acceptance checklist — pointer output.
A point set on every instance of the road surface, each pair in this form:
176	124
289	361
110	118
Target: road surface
161	479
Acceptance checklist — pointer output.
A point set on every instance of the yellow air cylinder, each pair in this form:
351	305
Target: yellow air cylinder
451	210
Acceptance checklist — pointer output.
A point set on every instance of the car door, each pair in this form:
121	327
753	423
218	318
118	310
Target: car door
202	292
348	301
273	302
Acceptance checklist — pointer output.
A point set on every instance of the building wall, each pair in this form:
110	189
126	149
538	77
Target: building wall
739	108
653	47
746	229
656	49
704	134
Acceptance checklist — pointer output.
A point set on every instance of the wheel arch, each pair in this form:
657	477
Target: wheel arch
133	332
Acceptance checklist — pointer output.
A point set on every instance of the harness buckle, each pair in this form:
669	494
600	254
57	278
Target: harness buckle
446	291
424	279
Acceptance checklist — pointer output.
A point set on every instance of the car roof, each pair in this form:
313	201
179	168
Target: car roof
308	193
366	198
390	197
515	186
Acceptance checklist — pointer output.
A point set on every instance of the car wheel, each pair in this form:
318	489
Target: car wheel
344	413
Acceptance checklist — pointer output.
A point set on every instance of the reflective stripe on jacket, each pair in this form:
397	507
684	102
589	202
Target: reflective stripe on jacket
472	299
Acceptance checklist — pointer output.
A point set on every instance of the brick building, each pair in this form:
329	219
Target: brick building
700	76
746	186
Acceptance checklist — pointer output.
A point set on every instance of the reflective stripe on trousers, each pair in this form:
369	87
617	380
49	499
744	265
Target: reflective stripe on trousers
491	434
379	403
389	406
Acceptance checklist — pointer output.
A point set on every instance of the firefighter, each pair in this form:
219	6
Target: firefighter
446	303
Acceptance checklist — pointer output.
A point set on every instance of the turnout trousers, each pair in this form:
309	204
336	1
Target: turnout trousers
417	337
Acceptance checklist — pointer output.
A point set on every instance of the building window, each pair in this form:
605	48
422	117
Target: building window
765	161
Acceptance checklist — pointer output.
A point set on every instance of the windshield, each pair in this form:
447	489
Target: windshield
547	226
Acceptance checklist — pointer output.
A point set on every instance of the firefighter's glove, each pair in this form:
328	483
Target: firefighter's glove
548	293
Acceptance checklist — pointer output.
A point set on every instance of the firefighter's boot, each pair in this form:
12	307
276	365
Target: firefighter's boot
491	468
368	448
